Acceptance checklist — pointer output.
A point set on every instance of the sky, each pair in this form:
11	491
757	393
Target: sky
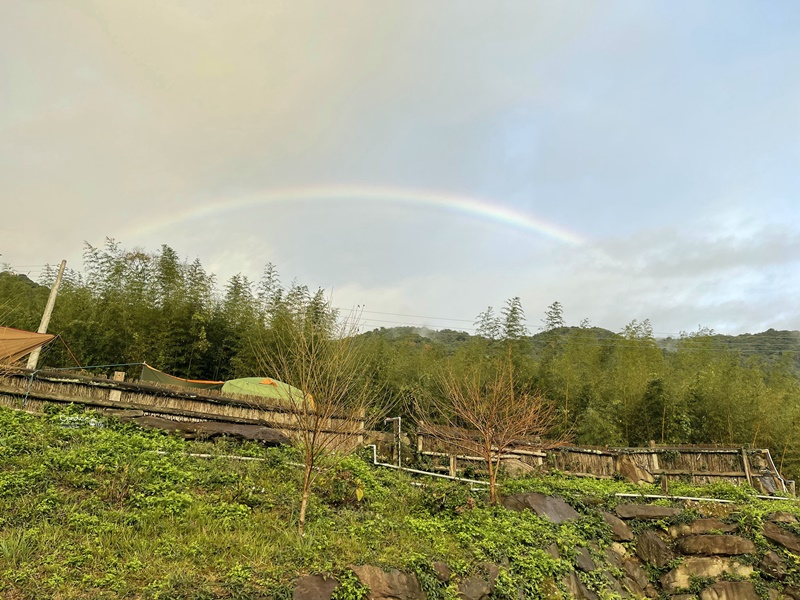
421	160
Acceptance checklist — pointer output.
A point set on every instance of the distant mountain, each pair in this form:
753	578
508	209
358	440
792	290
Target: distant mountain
453	339
771	344
421	335
18	279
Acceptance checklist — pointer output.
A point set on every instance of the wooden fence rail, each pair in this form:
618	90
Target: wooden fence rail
32	391
693	464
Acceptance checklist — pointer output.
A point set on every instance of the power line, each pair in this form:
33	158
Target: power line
374	312
408	324
10	266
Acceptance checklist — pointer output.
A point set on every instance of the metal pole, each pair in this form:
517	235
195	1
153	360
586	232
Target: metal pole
398	438
33	359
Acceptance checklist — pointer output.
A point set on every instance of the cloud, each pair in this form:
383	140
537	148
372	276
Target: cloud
666	134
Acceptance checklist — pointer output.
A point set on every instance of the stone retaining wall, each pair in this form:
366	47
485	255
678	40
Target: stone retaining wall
655	552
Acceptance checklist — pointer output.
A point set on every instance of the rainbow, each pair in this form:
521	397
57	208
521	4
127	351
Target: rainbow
471	206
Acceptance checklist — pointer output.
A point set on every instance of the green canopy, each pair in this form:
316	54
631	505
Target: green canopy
266	387
151	375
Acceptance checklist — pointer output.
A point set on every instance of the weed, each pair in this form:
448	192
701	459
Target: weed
349	588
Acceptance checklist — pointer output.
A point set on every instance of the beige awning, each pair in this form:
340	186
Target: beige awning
16	343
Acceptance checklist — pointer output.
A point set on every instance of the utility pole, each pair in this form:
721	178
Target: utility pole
33	359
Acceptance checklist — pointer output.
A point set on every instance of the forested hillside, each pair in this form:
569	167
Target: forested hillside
623	388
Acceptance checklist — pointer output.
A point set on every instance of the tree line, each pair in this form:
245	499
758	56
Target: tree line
605	388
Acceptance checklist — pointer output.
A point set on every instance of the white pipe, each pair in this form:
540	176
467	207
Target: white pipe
417	471
657	497
775	469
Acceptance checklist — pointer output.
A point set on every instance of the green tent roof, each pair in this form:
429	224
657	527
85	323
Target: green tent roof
265	387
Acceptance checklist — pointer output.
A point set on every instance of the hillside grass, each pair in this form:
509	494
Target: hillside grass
92	508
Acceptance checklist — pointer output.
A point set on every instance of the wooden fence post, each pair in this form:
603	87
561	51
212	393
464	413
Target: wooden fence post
116	395
655	467
746	465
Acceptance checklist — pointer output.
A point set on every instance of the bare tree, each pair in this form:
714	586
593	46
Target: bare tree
322	359
483	412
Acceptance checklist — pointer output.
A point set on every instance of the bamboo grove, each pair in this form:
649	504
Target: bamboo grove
605	388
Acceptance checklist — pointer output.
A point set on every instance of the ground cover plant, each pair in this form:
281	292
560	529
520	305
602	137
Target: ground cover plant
92	508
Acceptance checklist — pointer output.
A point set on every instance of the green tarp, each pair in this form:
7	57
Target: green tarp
265	387
282	393
149	374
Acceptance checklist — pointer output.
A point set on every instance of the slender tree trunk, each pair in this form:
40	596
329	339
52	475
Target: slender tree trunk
626	416
755	435
783	455
492	483
301	527
492	478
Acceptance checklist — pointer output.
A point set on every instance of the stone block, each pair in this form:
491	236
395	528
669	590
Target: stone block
700	527
653	550
779	535
635	571
720	545
474	587
550	507
730	590
782	517
442	571
700	566
389	585
620	532
314	587
577	589
772	564
628	469
583	560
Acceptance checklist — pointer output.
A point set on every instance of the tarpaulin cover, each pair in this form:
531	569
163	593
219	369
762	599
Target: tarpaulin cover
155	376
266	387
16	343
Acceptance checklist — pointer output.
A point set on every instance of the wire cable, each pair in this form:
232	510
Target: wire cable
77	362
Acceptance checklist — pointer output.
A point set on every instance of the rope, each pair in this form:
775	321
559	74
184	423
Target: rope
45	349
68	350
134	364
37	371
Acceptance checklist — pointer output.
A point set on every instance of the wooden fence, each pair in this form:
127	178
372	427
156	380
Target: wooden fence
692	464
32	391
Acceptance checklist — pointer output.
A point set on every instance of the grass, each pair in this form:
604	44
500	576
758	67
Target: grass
91	508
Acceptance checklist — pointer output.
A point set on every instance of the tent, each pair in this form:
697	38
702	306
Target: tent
16	343
149	374
265	387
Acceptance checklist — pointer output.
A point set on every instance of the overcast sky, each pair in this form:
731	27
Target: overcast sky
631	160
